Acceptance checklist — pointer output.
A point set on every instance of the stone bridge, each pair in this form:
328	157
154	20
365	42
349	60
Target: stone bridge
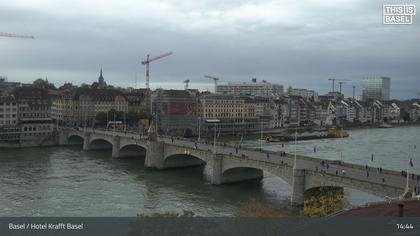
231	165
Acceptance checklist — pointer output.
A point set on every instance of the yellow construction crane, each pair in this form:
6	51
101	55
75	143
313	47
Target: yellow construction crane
2	34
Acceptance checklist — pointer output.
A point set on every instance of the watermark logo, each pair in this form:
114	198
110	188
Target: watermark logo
398	14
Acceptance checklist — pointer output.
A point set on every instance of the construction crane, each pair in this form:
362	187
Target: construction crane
340	81
186	82
215	79
341	85
333	84
147	63
2	34
354	91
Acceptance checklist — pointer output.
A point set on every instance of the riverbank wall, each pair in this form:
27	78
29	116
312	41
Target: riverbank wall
41	141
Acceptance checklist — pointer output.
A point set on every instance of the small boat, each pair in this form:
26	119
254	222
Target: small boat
385	125
272	139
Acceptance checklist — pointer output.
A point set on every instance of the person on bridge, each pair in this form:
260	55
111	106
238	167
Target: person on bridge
367	174
172	139
236	149
315	148
195	145
268	155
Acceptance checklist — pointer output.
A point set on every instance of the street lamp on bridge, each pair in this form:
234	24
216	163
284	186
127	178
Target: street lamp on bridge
262	119
215	122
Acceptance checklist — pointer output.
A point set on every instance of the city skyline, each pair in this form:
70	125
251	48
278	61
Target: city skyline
283	43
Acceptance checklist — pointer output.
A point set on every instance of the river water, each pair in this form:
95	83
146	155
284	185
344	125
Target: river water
66	181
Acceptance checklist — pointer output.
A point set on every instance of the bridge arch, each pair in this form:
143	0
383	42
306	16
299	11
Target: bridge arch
177	160
234	165
100	144
316	180
239	174
75	139
132	150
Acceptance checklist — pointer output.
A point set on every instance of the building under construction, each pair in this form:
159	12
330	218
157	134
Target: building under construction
253	88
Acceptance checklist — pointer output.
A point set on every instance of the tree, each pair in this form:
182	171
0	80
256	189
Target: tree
101	118
133	118
119	115
289	90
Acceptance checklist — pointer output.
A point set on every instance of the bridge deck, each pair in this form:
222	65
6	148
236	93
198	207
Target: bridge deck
352	171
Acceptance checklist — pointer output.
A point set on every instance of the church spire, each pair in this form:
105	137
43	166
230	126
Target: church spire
101	81
101	78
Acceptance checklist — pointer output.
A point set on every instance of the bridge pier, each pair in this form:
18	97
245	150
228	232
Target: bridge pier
63	137
155	155
216	173
86	141
298	187
116	147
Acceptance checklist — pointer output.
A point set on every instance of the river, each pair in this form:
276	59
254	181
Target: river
66	181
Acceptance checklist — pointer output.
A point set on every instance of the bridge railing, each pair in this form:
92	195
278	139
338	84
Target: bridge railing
224	144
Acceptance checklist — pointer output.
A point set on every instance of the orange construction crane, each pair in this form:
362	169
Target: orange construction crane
2	34
186	82
215	81
147	63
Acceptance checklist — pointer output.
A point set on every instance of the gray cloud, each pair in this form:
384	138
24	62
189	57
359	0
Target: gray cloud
300	43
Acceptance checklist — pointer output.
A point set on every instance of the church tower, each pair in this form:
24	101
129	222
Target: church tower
101	81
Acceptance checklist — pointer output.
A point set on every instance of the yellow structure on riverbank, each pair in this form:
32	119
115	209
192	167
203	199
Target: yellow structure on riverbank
334	133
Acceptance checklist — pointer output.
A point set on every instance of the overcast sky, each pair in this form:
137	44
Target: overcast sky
298	43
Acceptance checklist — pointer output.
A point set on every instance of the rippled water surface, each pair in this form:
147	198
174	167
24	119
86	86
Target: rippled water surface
66	181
